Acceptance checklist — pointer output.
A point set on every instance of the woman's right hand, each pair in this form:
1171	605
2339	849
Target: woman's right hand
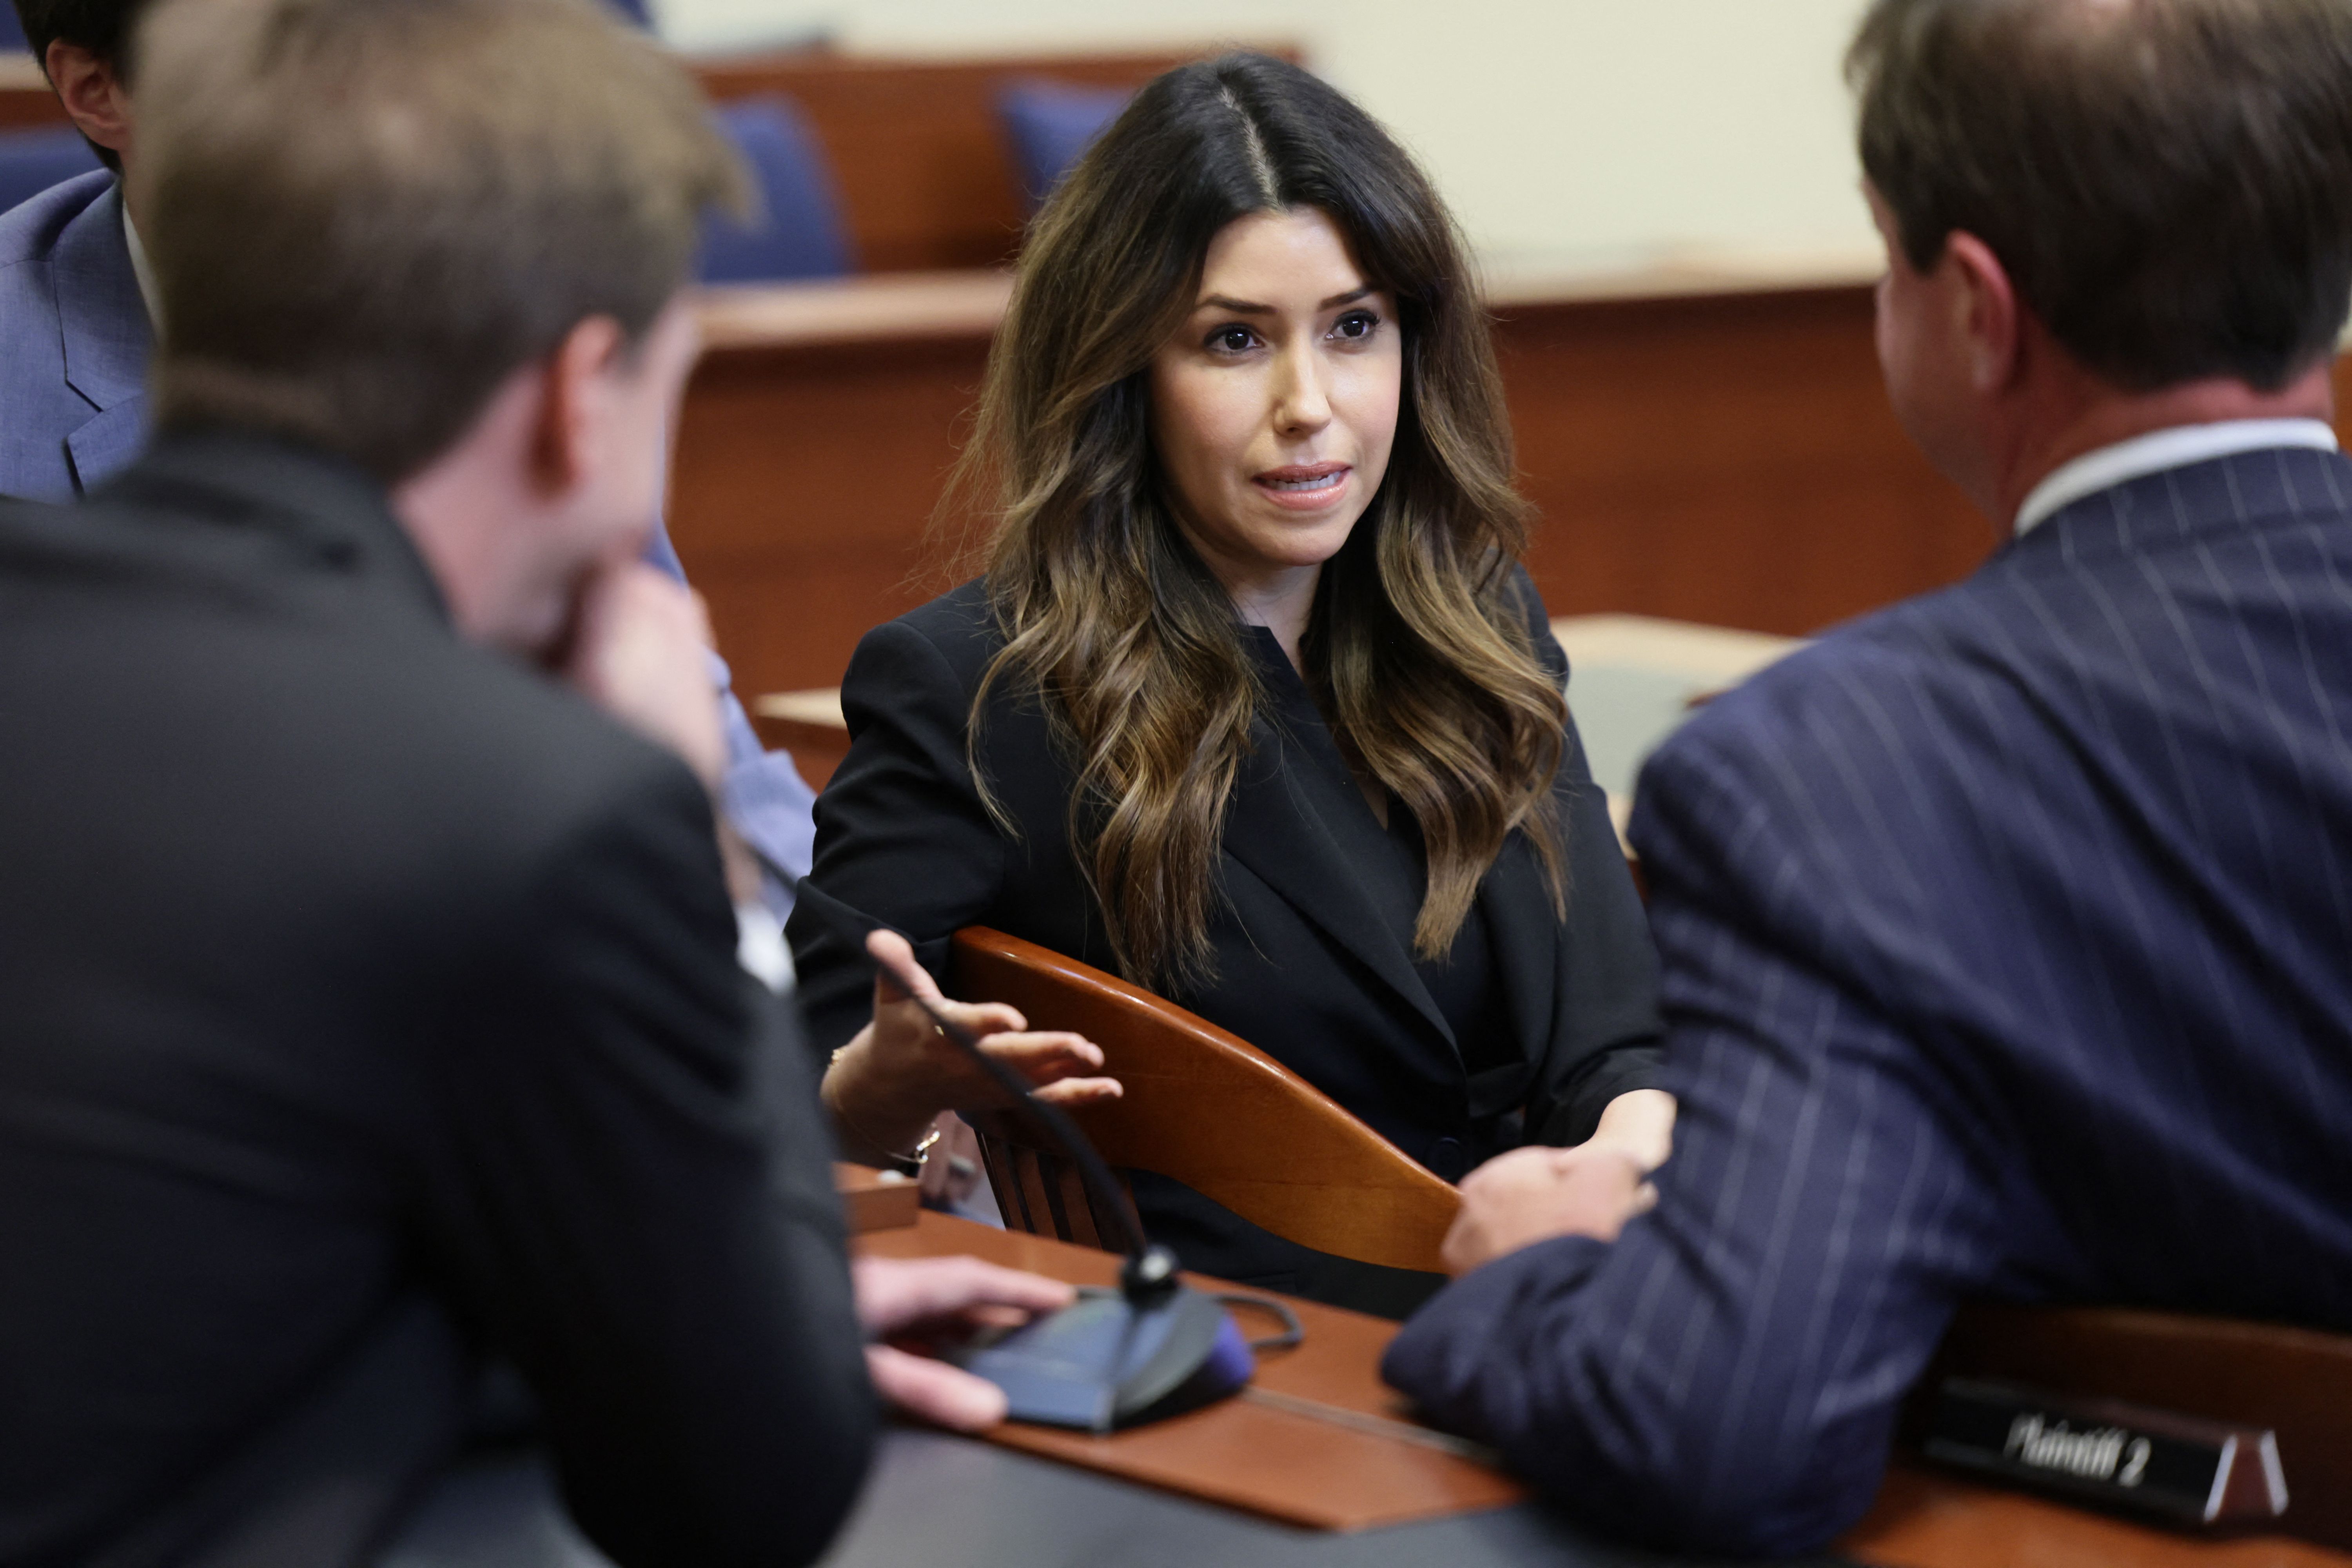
888	1085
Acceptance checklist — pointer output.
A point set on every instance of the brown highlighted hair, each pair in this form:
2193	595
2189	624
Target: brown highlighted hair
2169	182
1418	646
365	215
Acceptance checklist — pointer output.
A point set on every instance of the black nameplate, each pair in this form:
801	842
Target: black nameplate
2126	1456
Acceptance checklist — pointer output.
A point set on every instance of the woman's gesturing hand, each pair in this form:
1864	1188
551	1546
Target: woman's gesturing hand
887	1085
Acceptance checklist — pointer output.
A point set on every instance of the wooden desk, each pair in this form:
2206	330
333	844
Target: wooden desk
1923	1518
940	1499
1682	469
1720	450
808	724
25	96
1635	678
1928	1519
876	1200
816	434
1297	1446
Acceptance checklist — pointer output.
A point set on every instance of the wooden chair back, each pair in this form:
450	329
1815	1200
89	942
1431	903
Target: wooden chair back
1202	1107
2295	1381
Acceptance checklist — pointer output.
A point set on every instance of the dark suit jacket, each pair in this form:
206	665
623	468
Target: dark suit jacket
2008	945
368	1001
1304	967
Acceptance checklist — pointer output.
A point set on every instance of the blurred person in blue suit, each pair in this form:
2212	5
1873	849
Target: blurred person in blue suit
2005	932
76	314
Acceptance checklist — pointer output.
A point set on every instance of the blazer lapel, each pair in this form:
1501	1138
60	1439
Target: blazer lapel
104	446
102	319
1278	829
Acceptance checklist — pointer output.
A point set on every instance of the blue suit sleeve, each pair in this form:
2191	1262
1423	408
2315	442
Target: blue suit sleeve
1726	1375
766	799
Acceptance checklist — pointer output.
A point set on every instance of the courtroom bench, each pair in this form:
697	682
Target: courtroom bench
1633	680
1704	440
914	145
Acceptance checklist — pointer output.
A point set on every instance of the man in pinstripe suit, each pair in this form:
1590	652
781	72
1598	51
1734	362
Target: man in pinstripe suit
2008	933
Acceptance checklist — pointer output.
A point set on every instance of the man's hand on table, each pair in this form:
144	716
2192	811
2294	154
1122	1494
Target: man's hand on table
925	1296
1535	1193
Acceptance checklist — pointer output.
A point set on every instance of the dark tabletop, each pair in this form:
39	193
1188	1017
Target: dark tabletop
957	1503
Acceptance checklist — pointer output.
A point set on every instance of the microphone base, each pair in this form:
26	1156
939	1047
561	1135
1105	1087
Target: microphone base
1105	1361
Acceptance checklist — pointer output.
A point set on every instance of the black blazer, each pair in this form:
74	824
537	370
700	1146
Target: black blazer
368	1002
1306	968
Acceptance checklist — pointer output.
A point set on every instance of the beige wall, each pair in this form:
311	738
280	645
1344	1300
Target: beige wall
1602	130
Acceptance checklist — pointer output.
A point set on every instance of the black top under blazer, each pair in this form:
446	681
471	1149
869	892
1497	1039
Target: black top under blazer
1313	958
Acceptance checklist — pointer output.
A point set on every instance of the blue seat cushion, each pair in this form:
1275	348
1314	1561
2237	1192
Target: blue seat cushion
1050	125
33	161
799	231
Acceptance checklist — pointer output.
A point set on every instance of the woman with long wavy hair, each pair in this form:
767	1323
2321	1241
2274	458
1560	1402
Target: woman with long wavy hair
1254	704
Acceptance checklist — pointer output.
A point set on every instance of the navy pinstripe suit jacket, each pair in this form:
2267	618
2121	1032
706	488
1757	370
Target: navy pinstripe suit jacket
2008	945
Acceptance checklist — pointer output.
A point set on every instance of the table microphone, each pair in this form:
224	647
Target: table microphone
1152	1348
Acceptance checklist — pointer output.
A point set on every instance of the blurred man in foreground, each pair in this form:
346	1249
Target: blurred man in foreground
2005	932
368	998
